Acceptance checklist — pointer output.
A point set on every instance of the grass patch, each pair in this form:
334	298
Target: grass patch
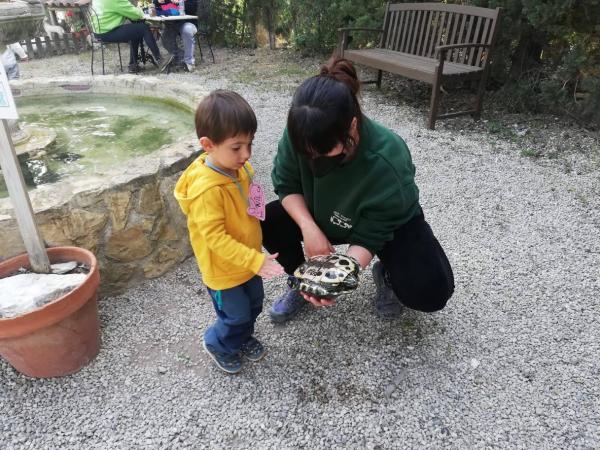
529	152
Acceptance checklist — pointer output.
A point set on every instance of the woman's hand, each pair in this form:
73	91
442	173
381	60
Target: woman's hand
316	301
315	241
270	267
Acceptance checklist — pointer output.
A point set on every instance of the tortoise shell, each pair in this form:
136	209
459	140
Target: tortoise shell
326	276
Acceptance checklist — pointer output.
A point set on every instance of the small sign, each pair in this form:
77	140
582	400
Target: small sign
8	110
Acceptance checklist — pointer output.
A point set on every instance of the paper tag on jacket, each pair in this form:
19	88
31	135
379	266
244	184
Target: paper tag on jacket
256	201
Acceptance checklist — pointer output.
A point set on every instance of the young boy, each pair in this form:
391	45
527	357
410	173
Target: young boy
223	207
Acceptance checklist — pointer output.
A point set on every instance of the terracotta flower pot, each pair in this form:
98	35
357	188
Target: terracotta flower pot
60	337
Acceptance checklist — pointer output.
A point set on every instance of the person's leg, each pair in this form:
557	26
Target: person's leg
417	267
169	39
149	40
13	72
188	31
128	32
255	292
282	235
233	325
252	348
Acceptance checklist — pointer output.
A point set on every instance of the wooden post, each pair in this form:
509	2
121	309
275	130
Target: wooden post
18	195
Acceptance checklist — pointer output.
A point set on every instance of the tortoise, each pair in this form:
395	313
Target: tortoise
326	276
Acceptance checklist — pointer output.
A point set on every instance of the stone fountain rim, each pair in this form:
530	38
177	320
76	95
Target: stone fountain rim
50	196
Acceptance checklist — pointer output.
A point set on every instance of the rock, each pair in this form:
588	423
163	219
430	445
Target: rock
61	268
72	227
25	292
118	208
128	245
165	258
150	202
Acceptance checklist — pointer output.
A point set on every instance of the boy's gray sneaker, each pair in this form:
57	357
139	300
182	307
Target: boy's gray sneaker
253	350
287	306
387	305
224	361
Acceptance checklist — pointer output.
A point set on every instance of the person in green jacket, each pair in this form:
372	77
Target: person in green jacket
109	25
342	178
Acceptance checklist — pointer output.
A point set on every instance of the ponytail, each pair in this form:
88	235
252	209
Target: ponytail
342	70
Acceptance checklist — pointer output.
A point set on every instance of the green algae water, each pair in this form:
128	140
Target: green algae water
95	132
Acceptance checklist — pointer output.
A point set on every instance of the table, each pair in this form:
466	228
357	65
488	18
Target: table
166	19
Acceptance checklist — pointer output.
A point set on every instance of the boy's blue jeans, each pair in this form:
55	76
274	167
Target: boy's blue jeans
237	309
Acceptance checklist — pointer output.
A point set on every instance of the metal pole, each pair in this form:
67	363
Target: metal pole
20	199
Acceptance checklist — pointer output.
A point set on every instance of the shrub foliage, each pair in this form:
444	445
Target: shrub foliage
548	50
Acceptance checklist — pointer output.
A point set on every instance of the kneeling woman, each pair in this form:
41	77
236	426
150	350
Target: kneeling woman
109	25
342	178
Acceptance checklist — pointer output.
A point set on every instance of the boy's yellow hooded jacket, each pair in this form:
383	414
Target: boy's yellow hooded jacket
226	240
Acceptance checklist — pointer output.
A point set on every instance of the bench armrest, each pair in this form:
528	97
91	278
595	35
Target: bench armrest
442	49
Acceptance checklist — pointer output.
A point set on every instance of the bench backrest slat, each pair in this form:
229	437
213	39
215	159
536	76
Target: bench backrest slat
484	38
467	38
402	21
418	28
422	33
399	15
474	38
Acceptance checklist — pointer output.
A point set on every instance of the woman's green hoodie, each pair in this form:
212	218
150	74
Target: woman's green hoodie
361	202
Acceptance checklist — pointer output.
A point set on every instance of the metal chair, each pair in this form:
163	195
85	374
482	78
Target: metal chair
205	26
91	17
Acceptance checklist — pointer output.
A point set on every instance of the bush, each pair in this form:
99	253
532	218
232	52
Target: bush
547	55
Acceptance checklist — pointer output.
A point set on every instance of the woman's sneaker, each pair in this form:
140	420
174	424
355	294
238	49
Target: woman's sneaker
224	361
253	350
287	306
135	68
387	305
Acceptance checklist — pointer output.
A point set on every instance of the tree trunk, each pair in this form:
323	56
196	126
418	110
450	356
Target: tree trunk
269	13
528	53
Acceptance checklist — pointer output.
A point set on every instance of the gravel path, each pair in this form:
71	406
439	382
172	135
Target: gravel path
512	362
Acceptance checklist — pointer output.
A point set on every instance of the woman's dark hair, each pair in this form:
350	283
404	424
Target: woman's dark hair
323	108
223	114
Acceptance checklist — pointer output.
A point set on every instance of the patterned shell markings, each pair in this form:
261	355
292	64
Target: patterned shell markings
326	276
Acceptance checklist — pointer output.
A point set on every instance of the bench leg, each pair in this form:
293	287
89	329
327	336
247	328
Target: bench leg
379	76
435	103
479	98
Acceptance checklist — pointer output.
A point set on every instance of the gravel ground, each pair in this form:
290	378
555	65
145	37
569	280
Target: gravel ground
512	362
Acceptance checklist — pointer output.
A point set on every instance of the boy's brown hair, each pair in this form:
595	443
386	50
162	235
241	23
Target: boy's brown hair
223	114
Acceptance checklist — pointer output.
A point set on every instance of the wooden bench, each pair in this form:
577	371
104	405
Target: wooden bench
431	42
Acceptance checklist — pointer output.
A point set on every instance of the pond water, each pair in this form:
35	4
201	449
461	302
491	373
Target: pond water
95	132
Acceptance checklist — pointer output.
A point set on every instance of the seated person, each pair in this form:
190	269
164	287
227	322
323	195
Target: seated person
111	27
186	29
9	61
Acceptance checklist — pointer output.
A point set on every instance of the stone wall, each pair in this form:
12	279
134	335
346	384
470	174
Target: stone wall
128	217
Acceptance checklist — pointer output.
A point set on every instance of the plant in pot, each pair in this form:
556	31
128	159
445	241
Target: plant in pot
60	332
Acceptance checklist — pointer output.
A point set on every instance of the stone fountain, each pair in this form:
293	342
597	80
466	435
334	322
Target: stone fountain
125	214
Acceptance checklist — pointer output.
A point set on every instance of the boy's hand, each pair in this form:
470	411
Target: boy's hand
270	267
